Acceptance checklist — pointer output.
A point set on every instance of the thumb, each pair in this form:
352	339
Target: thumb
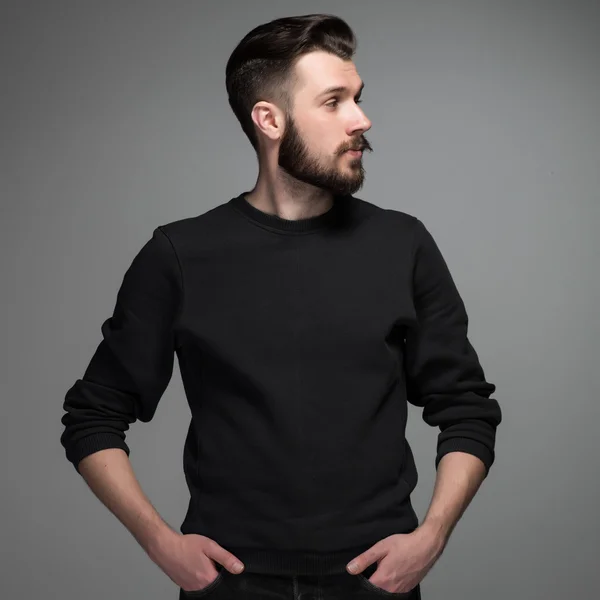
367	558
224	557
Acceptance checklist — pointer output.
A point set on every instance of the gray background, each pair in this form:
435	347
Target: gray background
486	125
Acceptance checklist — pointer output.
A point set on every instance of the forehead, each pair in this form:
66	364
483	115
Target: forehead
318	71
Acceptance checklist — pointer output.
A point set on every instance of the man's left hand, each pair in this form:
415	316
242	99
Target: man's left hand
404	559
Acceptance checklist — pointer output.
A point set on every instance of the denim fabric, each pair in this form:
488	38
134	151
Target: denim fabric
259	586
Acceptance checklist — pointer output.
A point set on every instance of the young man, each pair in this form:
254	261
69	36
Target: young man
304	319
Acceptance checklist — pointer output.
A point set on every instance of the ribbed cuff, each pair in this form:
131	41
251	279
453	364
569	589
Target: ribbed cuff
93	443
468	445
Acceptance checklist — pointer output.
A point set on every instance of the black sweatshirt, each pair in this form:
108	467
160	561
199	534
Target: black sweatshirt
299	343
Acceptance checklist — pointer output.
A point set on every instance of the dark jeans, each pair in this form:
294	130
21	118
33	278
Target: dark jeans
258	586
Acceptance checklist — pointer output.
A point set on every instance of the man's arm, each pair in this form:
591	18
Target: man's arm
458	478
124	382
110	476
445	377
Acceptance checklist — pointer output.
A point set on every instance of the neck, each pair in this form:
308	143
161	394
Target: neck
275	192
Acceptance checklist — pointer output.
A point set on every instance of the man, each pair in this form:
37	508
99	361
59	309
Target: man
304	319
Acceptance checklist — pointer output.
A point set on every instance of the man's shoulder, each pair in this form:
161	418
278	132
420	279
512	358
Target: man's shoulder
391	216
197	224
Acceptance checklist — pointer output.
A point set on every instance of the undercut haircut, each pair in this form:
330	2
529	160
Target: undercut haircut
261	67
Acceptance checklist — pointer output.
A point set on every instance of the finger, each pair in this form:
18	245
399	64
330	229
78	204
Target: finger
224	557
358	565
362	561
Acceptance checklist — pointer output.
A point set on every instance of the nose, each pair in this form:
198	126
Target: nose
366	122
362	124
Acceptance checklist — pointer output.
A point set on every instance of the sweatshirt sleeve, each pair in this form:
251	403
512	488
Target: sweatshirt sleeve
133	362
443	372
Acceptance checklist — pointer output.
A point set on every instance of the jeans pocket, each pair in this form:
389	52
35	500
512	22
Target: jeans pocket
364	581
207	589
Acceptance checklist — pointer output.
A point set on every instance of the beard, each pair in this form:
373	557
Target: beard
297	161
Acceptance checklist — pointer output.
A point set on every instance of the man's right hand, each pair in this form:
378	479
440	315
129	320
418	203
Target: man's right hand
186	559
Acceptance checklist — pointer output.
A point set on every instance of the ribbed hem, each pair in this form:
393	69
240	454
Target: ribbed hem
468	445
290	226
94	443
296	563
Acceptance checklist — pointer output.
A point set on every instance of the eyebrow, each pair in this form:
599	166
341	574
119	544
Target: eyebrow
340	89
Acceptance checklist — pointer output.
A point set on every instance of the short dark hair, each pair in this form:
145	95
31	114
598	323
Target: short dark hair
261	66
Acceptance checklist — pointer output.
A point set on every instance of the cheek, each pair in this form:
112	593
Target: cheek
321	144
319	137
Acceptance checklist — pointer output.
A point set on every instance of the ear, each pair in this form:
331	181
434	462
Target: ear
269	119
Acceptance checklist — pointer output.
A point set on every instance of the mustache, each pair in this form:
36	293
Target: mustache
362	144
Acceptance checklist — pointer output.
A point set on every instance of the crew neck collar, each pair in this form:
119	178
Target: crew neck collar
275	222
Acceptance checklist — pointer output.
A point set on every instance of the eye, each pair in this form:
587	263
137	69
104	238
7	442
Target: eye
333	103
